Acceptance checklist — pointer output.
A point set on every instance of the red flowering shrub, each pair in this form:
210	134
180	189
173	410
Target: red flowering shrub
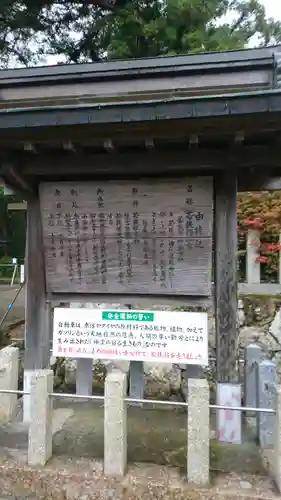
261	211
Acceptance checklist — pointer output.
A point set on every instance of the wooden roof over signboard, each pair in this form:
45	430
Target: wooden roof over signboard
200	111
145	79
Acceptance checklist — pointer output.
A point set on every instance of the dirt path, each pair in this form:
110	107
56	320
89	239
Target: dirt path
75	471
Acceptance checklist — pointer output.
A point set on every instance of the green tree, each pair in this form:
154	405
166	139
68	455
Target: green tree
12	228
76	32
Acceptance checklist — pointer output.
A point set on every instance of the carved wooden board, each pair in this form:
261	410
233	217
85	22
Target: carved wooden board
145	237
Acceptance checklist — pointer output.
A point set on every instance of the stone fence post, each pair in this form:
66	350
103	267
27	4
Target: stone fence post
115	424
253	355
276	465
252	266
40	427
9	372
198	432
266	399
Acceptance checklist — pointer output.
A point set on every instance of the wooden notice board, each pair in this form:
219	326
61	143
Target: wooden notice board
122	237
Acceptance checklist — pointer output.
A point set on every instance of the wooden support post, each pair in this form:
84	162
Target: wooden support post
38	312
226	274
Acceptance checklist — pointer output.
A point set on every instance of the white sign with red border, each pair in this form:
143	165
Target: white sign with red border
160	336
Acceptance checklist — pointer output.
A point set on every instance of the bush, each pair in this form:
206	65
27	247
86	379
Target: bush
6	270
262	212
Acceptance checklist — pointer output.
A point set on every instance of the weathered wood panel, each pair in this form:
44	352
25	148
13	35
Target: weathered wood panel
37	315
139	88
128	237
226	275
142	163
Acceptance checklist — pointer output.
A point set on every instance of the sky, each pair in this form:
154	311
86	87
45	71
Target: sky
273	8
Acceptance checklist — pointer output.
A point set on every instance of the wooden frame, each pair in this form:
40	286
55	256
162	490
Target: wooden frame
49	132
142	111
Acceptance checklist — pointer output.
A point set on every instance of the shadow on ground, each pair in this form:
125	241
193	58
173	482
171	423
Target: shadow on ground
154	436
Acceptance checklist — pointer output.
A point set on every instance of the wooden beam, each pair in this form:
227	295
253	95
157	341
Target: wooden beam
37	338
93	135
137	111
143	300
225	274
156	161
36	308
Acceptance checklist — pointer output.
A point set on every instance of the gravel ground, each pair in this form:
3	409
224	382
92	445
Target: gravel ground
76	473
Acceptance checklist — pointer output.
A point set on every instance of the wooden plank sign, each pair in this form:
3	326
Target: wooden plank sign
123	237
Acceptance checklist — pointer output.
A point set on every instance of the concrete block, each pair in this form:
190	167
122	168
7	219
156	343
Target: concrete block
277	446
40	428
229	422
136	385
9	372
252	359
198	432
115	424
266	399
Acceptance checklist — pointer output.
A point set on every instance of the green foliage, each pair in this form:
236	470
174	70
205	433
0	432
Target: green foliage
5	270
12	228
79	31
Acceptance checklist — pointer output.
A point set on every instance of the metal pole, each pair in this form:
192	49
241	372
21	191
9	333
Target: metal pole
145	401
11	304
14	274
76	396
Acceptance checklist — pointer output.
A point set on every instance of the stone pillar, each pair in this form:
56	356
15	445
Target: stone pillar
252	360
277	447
9	372
266	399
40	428
252	266
84	377
115	424
84	366
198	432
